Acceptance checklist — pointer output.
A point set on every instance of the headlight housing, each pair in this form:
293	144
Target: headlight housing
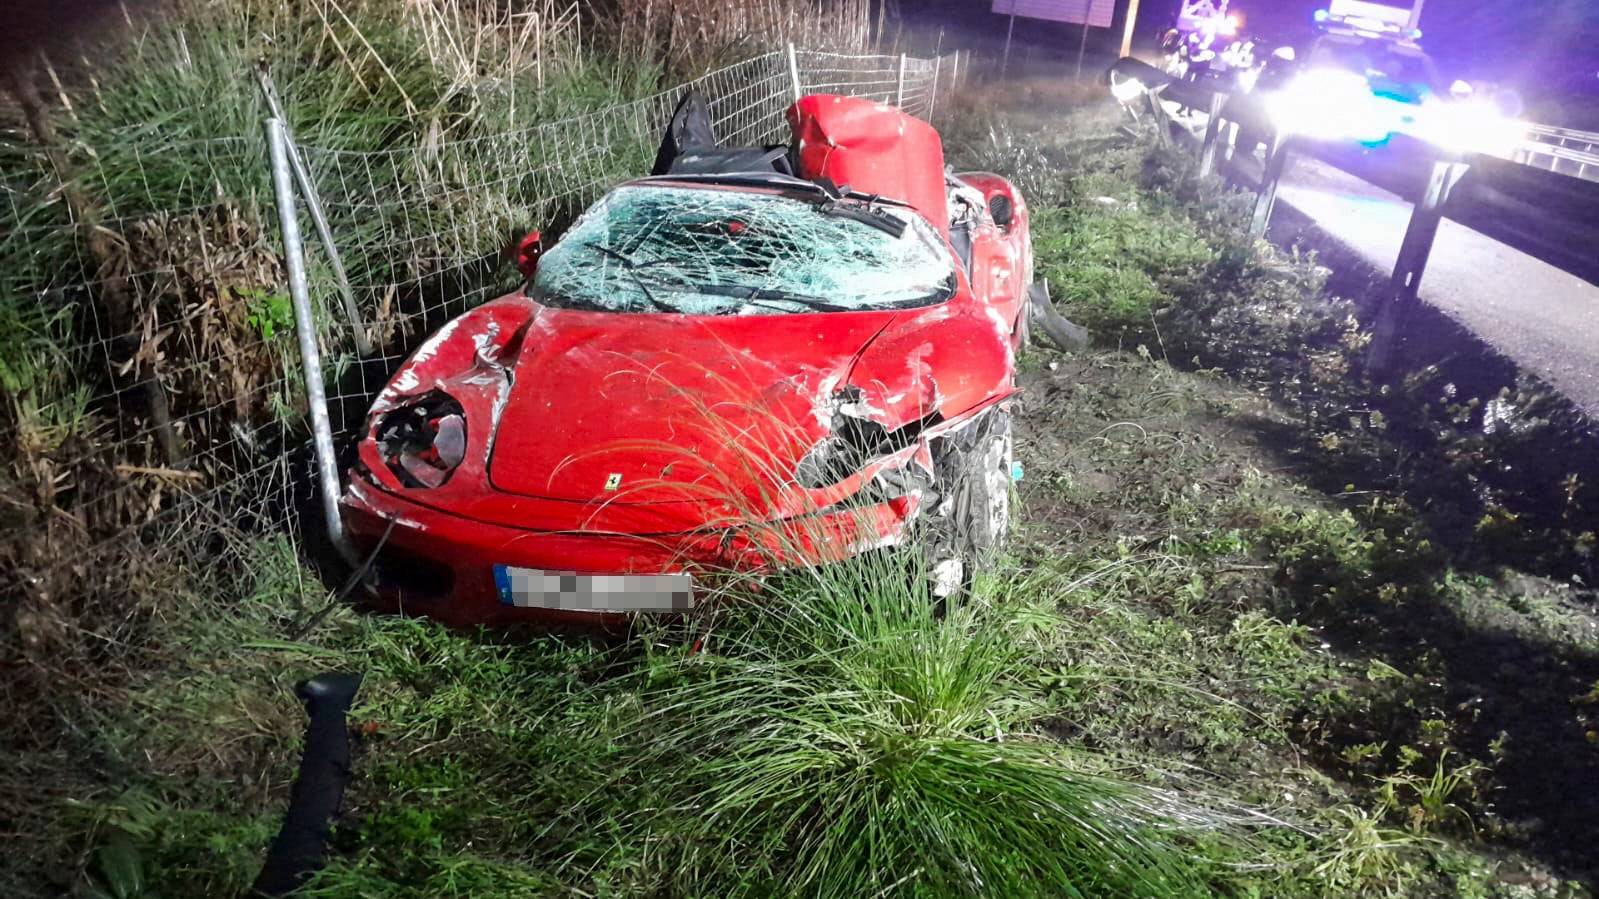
855	441
423	441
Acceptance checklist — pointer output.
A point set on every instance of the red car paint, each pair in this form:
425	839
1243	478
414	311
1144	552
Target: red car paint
857	143
611	442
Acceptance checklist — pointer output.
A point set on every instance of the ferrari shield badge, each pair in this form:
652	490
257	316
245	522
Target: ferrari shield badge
614	481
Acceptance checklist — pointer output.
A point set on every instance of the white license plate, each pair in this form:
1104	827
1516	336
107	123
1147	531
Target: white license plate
535	588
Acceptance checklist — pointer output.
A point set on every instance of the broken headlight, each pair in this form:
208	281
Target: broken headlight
830	461
423	441
856	440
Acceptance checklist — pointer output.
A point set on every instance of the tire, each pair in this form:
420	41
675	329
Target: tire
1052	325
968	525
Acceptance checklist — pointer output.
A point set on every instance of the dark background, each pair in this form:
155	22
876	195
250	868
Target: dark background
1547	49
1544	48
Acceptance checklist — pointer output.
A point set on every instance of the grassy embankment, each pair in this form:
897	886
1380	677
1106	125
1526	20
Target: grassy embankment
1171	688
1418	548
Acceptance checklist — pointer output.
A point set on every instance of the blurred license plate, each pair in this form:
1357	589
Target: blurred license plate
535	588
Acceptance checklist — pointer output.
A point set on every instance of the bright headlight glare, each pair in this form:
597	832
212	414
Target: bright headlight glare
1332	104
1126	90
1470	126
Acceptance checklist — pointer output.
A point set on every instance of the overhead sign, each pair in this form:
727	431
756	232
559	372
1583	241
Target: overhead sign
1097	13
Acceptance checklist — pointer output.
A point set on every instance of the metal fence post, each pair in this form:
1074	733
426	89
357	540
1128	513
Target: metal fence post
1207	154
1004	63
793	72
1389	329
932	96
313	201
955	71
899	89
1266	200
305	329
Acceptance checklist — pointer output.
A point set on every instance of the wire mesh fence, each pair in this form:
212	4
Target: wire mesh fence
116	313
424	233
151	354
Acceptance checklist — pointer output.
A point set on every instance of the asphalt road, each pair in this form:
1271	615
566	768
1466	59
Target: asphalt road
1544	319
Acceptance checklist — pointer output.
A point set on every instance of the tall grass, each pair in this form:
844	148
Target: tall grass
158	121
843	739
829	737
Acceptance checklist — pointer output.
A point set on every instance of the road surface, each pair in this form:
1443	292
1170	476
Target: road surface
1544	319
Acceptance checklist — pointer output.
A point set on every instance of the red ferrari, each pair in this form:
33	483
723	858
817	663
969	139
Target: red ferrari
756	358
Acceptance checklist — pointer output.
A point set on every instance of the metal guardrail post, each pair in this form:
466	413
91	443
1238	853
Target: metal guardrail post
1157	113
305	329
1207	153
1414	251
1266	200
793	72
899	89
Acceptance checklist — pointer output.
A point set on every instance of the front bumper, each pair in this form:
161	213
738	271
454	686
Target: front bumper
441	565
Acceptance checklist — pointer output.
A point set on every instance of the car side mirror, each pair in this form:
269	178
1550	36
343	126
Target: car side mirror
528	251
1002	210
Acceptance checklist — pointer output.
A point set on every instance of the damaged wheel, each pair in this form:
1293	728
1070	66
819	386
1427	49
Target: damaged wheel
968	525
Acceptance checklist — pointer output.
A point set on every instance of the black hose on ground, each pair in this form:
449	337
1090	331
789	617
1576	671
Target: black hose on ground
318	789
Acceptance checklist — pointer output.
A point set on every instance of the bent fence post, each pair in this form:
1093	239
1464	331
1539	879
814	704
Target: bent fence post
313	201
1266	200
932	96
305	329
1394	314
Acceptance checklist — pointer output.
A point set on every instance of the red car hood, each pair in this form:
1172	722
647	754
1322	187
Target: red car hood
630	408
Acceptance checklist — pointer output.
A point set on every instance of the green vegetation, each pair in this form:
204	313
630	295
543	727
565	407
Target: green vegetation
1233	650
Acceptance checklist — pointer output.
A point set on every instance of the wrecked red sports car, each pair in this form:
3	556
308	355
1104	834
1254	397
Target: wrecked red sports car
754	358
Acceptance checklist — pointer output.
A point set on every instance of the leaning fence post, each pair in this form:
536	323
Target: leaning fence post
793	72
932	96
955	71
313	201
1207	155
1266	200
1414	251
305	329
899	89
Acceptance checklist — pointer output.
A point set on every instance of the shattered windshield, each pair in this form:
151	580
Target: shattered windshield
704	251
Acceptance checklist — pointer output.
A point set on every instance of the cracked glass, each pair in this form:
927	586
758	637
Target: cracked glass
712	251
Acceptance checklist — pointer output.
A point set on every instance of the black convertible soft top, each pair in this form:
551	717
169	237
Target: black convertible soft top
689	147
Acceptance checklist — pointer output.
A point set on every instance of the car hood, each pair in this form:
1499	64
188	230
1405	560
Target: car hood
629	408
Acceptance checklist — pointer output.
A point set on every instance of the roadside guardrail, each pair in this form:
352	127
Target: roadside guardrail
1560	150
1540	200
